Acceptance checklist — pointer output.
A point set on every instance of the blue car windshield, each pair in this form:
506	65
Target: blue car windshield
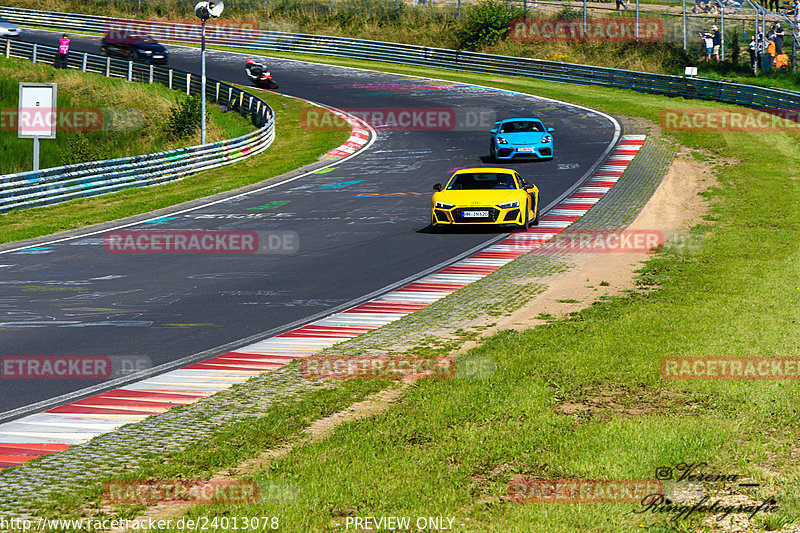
481	181
522	126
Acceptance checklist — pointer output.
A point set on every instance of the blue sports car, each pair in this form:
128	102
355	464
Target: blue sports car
521	137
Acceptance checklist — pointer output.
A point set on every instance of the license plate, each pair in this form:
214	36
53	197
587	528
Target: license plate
526	150
475	214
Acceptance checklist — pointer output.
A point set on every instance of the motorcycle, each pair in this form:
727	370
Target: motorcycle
258	73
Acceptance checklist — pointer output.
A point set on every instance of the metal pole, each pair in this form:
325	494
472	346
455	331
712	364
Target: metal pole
524	8
637	20
584	17
396	7
684	24
203	85
722	32
36	153
458	13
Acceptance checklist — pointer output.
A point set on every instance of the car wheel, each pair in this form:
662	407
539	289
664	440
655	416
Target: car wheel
493	152
527	223
536	217
103	51
131	56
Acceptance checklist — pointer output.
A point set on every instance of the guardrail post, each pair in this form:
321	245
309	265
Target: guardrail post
170	79
108	67
230	95
250	104
188	83
130	70
83	64
8	48
33	56
216	94
151	74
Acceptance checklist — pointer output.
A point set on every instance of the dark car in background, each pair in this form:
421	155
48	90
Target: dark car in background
133	47
8	29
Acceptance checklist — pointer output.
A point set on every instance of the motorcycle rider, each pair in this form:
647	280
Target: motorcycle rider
255	69
259	74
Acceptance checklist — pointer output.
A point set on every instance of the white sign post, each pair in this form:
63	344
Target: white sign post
36	117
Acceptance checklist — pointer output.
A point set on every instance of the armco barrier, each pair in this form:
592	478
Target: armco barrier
54	185
700	88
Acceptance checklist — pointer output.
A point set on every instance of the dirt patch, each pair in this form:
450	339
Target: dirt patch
596	402
675	207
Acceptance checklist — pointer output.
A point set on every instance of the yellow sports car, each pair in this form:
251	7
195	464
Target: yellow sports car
497	196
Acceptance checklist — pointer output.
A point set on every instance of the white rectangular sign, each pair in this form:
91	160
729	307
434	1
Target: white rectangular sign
37	110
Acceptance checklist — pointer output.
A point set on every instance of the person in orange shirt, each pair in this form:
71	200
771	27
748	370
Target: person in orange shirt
771	47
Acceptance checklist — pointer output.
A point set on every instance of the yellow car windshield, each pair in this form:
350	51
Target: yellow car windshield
481	181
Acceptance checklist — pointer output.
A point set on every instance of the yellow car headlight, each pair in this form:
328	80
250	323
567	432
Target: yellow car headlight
442	205
508	205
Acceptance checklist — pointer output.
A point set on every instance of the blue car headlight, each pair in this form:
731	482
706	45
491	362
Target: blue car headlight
442	205
547	139
500	140
508	205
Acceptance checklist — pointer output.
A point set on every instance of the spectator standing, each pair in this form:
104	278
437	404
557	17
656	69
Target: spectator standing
621	3
716	42
708	42
775	2
778	35
63	51
753	49
796	11
771	47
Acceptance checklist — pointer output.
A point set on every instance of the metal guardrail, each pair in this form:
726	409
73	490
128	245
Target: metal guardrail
662	84
60	184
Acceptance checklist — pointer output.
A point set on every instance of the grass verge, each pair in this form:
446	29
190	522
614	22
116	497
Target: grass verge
132	118
36	222
452	446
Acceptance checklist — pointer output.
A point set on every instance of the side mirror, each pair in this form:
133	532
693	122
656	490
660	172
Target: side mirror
493	131
437	187
551	130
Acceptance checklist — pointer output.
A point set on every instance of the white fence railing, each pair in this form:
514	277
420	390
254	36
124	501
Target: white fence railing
54	185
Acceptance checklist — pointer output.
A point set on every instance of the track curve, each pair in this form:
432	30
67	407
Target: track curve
357	234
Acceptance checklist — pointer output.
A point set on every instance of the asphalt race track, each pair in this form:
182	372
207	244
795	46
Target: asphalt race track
75	298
